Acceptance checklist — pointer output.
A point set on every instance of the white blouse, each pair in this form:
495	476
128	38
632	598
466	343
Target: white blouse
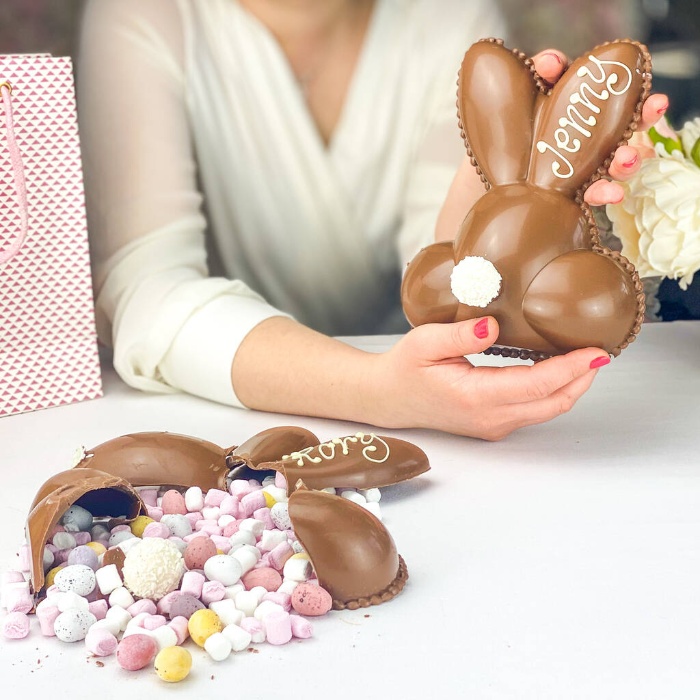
213	202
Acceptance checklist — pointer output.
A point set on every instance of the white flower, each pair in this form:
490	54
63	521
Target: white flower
658	221
690	135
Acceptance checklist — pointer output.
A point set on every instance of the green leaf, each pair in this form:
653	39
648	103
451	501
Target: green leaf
670	145
695	153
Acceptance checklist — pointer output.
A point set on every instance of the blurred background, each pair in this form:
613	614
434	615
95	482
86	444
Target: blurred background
671	29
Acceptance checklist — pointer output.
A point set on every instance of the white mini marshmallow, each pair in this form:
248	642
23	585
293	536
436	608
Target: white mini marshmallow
165	636
242	537
252	525
71	601
194	499
108	579
265	608
298	569
227	611
271	538
278	495
371	495
119	615
112	626
373	507
354	497
288	586
247	556
218	646
233	591
121	597
239	638
246	602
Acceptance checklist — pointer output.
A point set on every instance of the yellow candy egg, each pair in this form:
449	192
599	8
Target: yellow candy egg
51	575
202	625
97	547
173	664
139	524
269	500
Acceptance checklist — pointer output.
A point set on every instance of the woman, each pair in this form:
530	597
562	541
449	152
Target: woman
319	138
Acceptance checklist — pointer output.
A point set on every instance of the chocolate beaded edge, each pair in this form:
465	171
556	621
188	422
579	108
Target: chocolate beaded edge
391	591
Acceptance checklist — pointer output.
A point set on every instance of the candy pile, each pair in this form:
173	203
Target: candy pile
223	568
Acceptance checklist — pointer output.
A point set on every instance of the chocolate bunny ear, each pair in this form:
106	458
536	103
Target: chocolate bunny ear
586	117
496	98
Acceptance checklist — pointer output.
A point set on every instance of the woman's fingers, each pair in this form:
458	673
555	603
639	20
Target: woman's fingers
655	106
603	192
550	64
449	342
524	384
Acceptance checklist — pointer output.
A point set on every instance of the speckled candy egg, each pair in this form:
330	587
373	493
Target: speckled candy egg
84	555
136	651
280	516
184	605
153	568
224	569
173	503
179	525
77	578
198	551
311	600
73	625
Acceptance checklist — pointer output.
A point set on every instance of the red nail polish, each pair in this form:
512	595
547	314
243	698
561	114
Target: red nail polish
631	163
481	329
663	110
600	362
553	55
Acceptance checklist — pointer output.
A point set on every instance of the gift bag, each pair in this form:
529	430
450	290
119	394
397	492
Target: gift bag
48	343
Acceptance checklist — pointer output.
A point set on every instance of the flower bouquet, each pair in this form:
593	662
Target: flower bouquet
658	221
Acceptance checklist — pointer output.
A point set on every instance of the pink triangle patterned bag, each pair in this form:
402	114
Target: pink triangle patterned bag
48	343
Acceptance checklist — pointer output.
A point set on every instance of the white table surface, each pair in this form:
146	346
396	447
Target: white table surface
563	562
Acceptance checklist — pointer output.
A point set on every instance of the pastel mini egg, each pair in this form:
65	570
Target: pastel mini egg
279	513
179	525
136	651
202	625
173	664
77	578
224	569
51	575
97	547
184	605
73	625
173	502
84	555
139	524
198	551
76	519
311	600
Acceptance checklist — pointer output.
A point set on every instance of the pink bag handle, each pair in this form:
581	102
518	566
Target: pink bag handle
18	169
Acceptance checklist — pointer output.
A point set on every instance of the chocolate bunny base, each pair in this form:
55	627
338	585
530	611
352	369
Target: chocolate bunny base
550	283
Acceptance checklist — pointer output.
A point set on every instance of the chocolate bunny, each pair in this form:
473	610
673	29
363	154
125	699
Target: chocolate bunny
528	252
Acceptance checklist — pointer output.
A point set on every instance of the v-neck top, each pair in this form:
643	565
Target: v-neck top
213	201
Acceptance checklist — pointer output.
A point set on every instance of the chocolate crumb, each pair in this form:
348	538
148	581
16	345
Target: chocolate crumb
252	650
99	664
368	616
212	678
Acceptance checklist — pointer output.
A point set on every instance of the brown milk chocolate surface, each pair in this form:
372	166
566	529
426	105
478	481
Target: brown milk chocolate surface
361	461
537	149
353	554
170	459
102	494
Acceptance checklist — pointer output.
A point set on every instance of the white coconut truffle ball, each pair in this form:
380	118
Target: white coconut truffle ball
153	568
475	281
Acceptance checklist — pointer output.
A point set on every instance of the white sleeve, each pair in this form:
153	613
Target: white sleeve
171	325
441	150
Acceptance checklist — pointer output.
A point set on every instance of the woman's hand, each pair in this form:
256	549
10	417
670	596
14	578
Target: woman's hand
427	382
550	65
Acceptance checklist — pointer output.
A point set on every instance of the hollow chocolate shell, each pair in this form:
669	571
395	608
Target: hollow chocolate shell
353	554
361	461
104	495
549	282
170	459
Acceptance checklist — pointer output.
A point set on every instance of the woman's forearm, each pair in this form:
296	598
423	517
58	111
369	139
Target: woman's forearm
284	367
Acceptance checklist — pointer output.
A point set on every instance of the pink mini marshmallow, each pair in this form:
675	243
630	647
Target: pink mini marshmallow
53	591
98	608
210	529
283	599
229	506
279	555
47	614
154	513
194	517
214	497
12	577
61	556
221	542
278	627
54	530
205	522
280	481
254	628
100	642
158	530
263	514
251	502
192	582
149	496
180	626
120	528
15	625
153	622
212	592
301	627
25	558
189	538
230	529
165	603
145	605
240	488
17	598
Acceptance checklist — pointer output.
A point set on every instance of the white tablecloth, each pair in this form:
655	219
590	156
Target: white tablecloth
563	562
